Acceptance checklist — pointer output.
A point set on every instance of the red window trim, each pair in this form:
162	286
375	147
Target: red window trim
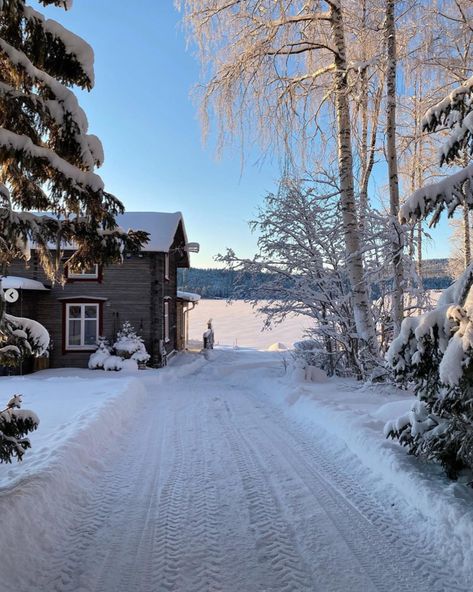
80	300
97	280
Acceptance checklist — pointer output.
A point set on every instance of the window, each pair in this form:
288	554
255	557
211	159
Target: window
166	266
81	325
166	321
90	273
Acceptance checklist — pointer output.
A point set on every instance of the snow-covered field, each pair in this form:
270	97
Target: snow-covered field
224	472
238	324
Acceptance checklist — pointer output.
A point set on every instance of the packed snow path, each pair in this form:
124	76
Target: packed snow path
213	489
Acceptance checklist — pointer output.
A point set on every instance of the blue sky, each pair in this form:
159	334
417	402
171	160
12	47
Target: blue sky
142	111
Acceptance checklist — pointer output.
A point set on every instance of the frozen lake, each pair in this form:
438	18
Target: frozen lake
238	324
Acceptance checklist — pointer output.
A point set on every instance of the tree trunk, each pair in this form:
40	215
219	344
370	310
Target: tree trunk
362	312
397	241
466	235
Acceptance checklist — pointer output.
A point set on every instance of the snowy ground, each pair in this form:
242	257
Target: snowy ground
237	324
223	474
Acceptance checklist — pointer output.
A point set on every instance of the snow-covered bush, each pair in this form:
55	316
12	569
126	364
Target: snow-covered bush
434	351
131	365
127	352
15	423
130	345
310	352
21	338
100	355
113	363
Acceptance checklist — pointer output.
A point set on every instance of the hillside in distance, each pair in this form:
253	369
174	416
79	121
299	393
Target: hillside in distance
224	283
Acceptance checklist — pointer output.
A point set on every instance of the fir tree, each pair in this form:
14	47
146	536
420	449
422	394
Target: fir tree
48	158
435	350
15	423
130	345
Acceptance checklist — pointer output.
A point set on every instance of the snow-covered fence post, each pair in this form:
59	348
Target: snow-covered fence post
208	336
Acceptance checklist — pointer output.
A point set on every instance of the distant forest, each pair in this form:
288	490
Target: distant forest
222	283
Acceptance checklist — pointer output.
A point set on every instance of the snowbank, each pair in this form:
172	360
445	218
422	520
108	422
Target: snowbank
80	420
238	324
356	416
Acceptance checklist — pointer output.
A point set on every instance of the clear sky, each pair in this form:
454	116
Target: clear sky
142	111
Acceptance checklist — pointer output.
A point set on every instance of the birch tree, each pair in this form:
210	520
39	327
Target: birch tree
391	100
271	67
300	247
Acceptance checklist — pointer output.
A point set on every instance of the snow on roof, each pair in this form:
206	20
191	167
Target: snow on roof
162	227
189	296
20	283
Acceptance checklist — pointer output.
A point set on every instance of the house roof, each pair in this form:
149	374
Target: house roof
188	296
161	226
21	283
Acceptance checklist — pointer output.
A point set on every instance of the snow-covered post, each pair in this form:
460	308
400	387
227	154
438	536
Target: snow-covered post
208	336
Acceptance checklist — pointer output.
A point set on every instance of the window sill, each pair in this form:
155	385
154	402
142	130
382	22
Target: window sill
78	350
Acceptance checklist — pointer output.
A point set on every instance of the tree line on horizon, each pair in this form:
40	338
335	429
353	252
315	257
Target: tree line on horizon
215	282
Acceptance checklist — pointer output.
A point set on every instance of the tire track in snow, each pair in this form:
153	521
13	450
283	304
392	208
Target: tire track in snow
105	538
169	543
275	543
205	546
403	555
224	494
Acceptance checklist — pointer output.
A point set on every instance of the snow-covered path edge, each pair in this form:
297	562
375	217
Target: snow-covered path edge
447	506
39	504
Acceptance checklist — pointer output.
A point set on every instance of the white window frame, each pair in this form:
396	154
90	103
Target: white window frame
166	266
167	339
82	345
83	275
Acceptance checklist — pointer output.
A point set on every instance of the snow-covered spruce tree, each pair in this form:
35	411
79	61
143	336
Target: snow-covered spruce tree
47	157
15	423
130	345
435	350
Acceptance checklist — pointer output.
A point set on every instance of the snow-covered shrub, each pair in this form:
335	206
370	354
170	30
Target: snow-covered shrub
309	353
15	423
127	353
434	351
131	365
100	355
130	345
21	338
113	363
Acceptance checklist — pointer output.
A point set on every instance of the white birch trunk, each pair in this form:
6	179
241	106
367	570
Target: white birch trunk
397	242
361	304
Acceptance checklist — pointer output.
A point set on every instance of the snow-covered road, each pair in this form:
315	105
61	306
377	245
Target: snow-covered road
214	489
